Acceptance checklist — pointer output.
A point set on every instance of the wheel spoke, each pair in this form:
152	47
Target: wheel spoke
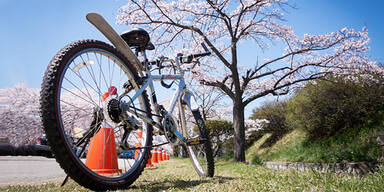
101	71
85	82
91	102
72	105
92	74
87	95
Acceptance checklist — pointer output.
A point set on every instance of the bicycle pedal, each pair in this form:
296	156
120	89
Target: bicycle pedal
195	142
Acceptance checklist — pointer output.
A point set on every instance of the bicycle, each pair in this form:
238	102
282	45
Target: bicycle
90	85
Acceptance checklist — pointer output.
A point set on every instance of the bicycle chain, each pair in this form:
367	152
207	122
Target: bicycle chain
151	146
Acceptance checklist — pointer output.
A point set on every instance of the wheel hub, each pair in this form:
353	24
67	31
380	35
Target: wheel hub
113	110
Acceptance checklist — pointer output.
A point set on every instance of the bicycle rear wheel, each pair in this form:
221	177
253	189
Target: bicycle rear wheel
82	119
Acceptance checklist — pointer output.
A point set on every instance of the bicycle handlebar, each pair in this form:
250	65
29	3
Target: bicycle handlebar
189	58
183	59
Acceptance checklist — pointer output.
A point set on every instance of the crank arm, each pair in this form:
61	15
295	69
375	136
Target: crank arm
195	142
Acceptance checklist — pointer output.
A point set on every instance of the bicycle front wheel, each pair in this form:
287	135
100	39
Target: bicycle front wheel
81	115
201	153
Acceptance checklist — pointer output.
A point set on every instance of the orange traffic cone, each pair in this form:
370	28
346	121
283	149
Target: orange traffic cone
149	163
150	160
138	144
160	157
164	155
154	156
167	155
101	155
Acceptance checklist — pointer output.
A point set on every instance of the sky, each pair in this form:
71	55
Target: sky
32	32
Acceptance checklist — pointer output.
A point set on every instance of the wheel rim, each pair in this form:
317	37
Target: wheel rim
197	152
198	156
85	78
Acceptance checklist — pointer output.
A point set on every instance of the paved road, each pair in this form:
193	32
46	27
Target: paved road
28	170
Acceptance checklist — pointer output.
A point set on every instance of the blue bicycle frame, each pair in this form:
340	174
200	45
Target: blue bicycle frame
179	96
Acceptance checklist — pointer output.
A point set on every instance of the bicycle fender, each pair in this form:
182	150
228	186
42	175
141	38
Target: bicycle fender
190	100
102	25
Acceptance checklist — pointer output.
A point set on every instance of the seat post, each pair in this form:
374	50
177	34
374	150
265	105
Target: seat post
142	54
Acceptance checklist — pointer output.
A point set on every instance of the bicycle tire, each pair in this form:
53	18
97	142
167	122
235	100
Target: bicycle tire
62	137
201	155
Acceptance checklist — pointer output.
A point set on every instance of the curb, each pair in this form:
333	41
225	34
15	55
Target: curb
354	168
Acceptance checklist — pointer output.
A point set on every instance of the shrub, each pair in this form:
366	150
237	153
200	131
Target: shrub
329	107
274	112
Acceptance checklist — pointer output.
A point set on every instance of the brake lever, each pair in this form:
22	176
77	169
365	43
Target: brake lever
196	62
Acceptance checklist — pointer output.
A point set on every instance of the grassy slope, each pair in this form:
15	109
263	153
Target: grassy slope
289	140
178	175
354	145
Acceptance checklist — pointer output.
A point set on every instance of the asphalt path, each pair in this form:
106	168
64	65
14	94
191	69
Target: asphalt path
29	170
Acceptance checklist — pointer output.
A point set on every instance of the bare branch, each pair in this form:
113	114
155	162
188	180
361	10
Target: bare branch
275	89
225	17
221	86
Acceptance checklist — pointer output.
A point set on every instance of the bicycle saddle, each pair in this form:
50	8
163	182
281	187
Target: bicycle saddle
139	38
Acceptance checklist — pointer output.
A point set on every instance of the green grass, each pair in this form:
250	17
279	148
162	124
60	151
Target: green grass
179	175
256	153
354	145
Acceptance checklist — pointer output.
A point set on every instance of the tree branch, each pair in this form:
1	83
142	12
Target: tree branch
221	86
273	91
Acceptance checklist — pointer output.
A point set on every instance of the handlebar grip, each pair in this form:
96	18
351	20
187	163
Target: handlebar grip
201	54
189	58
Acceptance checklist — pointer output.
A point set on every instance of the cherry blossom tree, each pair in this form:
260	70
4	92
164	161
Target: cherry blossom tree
223	25
210	100
19	114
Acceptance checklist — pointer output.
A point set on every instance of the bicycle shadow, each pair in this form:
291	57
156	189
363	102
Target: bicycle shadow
179	183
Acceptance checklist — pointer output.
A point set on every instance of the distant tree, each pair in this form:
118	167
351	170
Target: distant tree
219	132
210	101
274	112
19	115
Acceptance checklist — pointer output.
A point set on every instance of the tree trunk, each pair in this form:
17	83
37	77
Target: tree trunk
239	139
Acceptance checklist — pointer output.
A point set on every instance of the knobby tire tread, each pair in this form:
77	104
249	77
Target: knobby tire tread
208	145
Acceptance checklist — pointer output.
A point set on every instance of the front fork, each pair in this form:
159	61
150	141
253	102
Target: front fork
188	99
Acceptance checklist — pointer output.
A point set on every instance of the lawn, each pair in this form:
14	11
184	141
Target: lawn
179	175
